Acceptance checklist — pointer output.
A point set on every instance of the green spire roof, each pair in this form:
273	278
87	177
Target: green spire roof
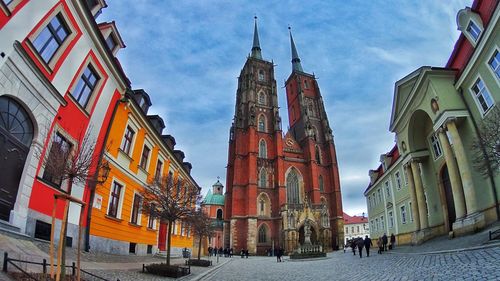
295	56
256	44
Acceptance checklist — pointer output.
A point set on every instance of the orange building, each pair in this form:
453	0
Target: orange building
137	151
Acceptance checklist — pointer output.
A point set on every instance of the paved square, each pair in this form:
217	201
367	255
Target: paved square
482	264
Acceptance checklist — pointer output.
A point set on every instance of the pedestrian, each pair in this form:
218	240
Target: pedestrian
360	243
393	241
368	244
231	252
281	252
353	246
242	252
277	253
384	241
380	245
246	253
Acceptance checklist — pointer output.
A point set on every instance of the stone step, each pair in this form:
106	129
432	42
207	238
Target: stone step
5	225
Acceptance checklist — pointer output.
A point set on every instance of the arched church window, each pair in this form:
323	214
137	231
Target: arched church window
306	85
262	123
315	133
317	154
292	188
262	206
291	221
321	187
219	214
263	178
262	149
263	234
261	75
16	121
262	98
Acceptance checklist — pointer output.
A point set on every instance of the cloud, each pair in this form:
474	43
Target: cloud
188	54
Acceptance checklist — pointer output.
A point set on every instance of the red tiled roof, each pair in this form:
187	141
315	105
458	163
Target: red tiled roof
354	219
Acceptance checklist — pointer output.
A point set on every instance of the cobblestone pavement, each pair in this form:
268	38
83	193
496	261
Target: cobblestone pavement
482	264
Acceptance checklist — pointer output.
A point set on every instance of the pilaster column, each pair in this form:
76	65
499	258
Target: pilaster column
456	184
419	191
463	166
413	197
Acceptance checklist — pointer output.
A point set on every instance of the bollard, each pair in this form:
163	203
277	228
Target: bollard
44	264
73	269
5	258
143	268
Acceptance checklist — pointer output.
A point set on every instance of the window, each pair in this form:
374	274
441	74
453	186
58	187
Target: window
262	98
179	186
262	123
58	158
170	180
436	146
391	220
410	211
292	188
387	190
405	175
347	230
85	86
262	204
219	214
51	38
263	178
110	41
376	225
306	86
382	223
403	214
357	228
495	63
144	157
151	219
352	229
159	166
473	30
127	140
321	187
379	192
398	180
426	204
317	154
262	234
369	201
136	209
261	75
262	149
482	96
114	200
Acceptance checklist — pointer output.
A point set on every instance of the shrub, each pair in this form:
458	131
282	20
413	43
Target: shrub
196	262
163	269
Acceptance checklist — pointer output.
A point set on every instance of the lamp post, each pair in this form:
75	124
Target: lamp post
218	244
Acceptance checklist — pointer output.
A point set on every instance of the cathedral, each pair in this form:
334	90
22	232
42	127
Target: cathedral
280	185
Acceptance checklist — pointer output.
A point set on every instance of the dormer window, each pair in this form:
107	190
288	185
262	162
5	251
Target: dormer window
474	30
95	6
111	42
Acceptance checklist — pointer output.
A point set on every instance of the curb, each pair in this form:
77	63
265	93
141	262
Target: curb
484	246
204	274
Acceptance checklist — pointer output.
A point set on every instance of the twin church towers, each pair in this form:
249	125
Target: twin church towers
278	183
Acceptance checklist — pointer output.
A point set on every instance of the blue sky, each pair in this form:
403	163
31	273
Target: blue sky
187	56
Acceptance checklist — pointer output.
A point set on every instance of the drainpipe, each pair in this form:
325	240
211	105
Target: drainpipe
483	149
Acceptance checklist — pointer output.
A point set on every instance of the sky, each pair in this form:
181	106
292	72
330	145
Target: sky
188	54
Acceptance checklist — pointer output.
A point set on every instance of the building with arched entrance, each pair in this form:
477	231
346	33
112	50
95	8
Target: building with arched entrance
213	206
430	182
278	184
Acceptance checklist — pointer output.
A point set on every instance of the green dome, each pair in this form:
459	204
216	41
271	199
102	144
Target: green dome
213	199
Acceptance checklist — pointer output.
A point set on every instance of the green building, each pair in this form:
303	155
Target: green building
427	185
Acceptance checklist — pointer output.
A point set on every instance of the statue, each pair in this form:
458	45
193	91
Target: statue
307	232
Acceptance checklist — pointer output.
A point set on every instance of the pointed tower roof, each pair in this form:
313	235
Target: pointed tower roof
296	66
256	51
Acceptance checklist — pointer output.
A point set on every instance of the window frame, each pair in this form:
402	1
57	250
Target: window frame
50	69
263	178
402	210
263	149
482	91
126	140
86	84
261	123
261	76
57	133
397	176
144	162
158	169
479	31
119	202
135	213
434	144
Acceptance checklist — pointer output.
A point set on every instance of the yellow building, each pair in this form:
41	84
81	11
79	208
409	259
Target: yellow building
137	151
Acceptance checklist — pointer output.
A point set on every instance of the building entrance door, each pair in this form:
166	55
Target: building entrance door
445	178
16	134
162	237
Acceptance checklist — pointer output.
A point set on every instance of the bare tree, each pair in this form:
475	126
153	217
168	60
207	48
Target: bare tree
169	201
202	226
67	163
486	147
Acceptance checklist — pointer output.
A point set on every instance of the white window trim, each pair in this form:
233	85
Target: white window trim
410	212
405	214
139	212
487	62
390	217
471	91
134	127
474	41
120	202
429	140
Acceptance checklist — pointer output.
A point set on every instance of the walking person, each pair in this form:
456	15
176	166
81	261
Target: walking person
393	241
353	246
380	245
360	243
368	244
384	241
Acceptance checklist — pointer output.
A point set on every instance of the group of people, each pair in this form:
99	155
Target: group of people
227	252
244	253
366	243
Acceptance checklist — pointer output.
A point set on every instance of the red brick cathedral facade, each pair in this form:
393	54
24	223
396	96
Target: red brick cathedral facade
275	183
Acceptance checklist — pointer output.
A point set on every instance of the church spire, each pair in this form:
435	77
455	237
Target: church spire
295	56
256	44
